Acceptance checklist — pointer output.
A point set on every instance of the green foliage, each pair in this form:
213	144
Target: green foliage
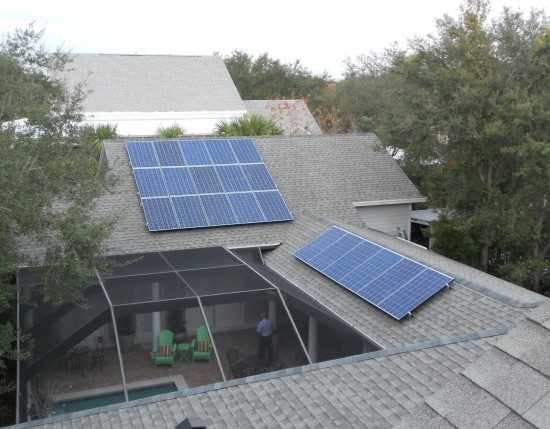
469	110
48	182
454	240
265	78
72	259
96	134
171	132
248	125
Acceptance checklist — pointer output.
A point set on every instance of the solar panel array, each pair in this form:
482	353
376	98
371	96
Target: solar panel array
187	184
393	283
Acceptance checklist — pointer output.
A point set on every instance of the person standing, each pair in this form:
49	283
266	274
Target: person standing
265	345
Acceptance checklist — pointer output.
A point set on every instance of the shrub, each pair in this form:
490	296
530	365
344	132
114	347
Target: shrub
96	134
248	125
170	132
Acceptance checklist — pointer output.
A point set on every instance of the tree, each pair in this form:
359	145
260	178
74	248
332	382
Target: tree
248	125
528	226
264	78
48	182
467	110
475	74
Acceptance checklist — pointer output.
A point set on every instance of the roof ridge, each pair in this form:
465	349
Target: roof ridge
141	55
276	137
273	375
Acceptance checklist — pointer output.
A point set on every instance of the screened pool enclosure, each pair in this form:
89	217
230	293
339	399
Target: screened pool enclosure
166	320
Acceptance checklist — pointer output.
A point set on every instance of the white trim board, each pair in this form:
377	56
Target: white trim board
147	123
389	202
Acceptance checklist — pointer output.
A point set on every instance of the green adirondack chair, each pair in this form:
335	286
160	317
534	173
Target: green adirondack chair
201	347
166	354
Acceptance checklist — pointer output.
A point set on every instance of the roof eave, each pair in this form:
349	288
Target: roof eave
375	203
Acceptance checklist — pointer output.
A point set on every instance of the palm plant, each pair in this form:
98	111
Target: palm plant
248	125
170	132
96	134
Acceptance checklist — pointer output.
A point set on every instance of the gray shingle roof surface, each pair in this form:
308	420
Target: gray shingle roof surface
422	354
153	83
508	387
293	116
323	174
456	311
365	391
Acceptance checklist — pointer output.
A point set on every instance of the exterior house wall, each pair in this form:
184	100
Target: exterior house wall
148	123
387	218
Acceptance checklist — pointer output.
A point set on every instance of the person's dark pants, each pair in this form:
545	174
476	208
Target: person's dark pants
265	349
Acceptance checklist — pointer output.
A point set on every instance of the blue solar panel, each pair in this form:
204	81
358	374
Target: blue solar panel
159	214
245	151
169	153
150	183
391	282
369	270
316	246
414	293
259	177
332	253
208	182
358	255
246	208
221	152
190	212
179	181
142	154
273	206
194	152
218	210
232	178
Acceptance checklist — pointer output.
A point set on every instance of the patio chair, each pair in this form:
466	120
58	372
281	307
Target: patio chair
201	348
98	355
167	349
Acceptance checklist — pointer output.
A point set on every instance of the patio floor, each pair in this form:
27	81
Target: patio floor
60	381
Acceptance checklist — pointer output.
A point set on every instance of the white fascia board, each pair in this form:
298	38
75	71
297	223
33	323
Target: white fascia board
389	202
136	116
265	246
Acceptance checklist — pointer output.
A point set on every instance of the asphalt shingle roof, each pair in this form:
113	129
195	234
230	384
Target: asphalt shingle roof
293	116
509	386
375	390
323	175
153	83
460	310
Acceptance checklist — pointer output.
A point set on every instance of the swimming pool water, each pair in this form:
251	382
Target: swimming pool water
80	404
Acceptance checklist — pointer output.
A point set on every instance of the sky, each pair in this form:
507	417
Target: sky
321	34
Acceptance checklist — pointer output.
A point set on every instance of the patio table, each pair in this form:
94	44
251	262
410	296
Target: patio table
184	351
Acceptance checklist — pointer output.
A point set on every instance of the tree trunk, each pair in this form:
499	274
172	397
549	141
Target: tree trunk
537	273
537	276
484	261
